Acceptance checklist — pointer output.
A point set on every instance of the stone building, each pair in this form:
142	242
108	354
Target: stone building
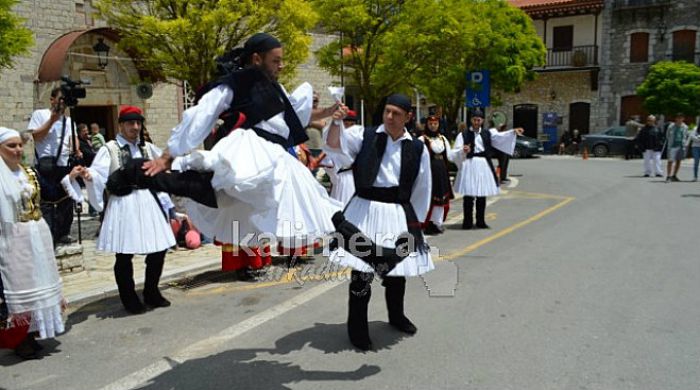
641	33
65	33
565	95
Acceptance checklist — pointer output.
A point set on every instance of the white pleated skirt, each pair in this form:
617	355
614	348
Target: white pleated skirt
383	223
30	276
281	198
343	186
134	224
229	223
475	178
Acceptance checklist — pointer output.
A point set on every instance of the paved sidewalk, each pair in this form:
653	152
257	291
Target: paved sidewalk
97	279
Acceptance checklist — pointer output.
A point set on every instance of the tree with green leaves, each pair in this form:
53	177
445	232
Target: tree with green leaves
383	42
488	34
181	39
671	87
15	38
393	46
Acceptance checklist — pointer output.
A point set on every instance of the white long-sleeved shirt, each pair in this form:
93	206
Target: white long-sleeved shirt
503	141
99	170
198	121
390	167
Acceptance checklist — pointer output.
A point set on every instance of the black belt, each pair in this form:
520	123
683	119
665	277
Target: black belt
391	195
480	154
274	138
380	194
344	170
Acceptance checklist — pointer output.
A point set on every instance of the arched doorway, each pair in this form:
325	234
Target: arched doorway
73	55
525	116
580	117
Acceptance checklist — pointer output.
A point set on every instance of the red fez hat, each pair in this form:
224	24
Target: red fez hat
351	116
130	113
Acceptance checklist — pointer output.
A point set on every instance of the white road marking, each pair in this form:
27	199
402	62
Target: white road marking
211	344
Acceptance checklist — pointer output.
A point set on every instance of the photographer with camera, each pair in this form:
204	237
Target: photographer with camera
55	148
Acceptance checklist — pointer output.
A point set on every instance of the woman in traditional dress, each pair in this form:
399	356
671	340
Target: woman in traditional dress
441	194
31	287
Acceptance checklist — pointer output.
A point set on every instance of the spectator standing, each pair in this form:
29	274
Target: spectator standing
30	287
695	149
676	137
632	127
51	130
85	142
650	141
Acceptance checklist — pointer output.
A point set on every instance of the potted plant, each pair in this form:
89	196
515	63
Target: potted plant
579	58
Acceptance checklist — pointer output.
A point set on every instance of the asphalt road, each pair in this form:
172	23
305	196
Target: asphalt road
588	279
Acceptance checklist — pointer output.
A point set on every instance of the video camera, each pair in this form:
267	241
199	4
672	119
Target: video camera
71	90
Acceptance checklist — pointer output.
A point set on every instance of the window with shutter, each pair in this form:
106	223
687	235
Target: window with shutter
639	47
684	45
563	38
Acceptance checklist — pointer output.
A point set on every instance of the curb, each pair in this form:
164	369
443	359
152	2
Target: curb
84	297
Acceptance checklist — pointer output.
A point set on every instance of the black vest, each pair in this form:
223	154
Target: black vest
469	137
259	98
366	168
367	162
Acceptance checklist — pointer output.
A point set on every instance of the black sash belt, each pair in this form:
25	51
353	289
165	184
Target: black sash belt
354	241
391	195
344	170
274	138
380	194
488	161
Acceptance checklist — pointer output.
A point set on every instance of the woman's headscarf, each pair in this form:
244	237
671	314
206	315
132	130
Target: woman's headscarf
10	199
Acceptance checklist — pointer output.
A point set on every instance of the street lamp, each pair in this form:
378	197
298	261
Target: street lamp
661	30
102	51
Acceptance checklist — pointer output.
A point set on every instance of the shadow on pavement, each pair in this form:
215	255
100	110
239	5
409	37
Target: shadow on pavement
109	307
333	338
8	357
241	368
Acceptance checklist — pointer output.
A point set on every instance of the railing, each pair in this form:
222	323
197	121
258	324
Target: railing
634	4
575	57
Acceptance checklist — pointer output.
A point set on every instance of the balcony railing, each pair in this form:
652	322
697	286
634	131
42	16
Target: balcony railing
637	4
575	57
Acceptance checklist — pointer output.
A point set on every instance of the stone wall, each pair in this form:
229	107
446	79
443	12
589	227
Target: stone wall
567	87
312	73
20	94
163	111
619	77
